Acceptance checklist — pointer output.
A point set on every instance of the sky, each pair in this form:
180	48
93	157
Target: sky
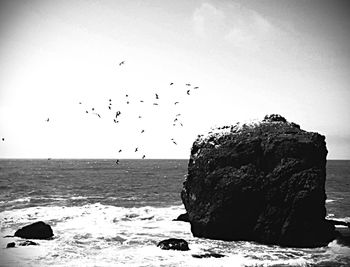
247	58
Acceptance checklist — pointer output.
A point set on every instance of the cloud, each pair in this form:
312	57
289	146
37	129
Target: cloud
230	22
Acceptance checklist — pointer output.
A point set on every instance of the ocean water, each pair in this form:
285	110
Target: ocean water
104	214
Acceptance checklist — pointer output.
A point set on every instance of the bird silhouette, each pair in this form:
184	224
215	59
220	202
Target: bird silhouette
140	117
126	95
188	92
48	119
115	121
127	102
142	131
176	103
143	156
174	142
120	150
117	162
3	139
109	107
79	103
157	97
98	115
178	115
136	149
188	84
87	111
171	83
175	119
141	101
196	87
156	104
121	63
117	114
92	109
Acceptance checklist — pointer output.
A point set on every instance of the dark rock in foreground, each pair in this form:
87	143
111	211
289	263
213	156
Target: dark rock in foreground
37	230
261	182
174	244
182	217
11	245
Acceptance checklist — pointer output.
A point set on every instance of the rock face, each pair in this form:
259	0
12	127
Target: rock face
174	244
263	181
37	230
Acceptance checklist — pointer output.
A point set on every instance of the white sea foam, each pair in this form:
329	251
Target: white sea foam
102	235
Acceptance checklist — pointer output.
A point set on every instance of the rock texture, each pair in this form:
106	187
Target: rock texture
37	230
263	181
174	244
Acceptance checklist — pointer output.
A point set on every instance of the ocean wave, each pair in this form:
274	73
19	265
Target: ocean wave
110	235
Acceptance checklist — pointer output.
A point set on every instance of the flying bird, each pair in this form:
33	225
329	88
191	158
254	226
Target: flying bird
143	156
109	107
188	84
142	131
176	103
79	103
48	119
195	87
188	92
120	150
87	111
178	114
140	117
98	115
156	104
171	83
3	139
117	162
174	142
127	102
157	97
122	63
141	101
117	114
136	149
92	109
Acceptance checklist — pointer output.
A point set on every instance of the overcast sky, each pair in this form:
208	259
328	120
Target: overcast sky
248	58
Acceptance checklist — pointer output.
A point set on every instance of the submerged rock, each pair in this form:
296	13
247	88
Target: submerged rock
28	243
208	255
182	217
263	181
174	244
37	230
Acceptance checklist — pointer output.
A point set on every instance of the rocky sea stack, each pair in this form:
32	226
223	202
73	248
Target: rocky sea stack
263	181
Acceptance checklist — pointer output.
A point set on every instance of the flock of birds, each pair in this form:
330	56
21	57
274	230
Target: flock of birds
118	113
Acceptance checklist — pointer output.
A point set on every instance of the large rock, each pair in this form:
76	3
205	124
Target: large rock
37	230
263	181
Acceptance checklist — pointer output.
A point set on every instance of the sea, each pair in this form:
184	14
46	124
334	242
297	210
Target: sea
108	214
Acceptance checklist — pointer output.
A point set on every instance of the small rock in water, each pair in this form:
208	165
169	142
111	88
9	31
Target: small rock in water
28	243
182	217
174	244
37	230
208	255
11	245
